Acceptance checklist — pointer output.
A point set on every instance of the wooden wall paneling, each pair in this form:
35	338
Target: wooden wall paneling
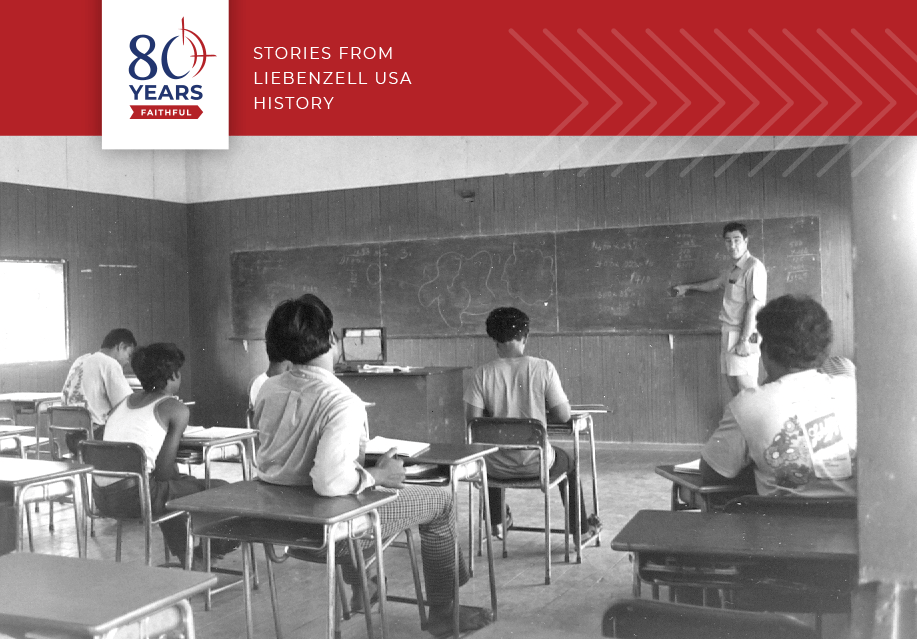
337	219
696	375
435	209
321	227
544	216
523	203
589	196
564	199
700	180
27	235
628	181
146	280
280	228
503	214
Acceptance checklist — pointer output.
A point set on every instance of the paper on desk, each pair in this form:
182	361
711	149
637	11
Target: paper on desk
689	467
379	368
381	445
216	432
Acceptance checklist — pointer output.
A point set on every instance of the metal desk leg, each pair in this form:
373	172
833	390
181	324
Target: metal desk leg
331	619
485	497
577	534
595	478
455	557
246	590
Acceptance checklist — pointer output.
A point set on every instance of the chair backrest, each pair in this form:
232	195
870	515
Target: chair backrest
508	432
649	619
835	507
70	417
113	457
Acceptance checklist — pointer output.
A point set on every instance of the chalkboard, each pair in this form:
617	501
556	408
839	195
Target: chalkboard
621	279
598	280
345	277
792	256
447	287
613	280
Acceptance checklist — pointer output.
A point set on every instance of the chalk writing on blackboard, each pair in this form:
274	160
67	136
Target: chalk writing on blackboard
460	288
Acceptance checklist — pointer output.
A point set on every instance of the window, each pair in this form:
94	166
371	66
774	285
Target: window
33	320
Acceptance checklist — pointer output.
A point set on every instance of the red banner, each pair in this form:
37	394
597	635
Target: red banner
147	112
509	68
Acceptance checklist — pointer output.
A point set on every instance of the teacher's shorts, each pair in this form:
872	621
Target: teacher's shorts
736	365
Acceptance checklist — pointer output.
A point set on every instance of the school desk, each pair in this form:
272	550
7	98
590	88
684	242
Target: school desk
708	496
31	403
258	512
22	477
710	542
14	434
47	595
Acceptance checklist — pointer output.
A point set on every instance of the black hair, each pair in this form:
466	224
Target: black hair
796	331
273	355
300	330
736	226
118	336
506	324
155	364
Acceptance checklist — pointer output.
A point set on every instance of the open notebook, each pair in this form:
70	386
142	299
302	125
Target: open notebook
381	445
689	467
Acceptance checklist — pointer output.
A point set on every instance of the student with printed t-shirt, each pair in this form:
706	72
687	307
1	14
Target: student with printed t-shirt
96	381
799	430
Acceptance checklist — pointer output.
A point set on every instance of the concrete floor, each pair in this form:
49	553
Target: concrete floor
571	606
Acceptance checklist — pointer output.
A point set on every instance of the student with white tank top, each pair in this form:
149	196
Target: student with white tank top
154	419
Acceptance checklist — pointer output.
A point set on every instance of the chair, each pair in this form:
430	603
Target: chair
646	619
525	434
122	460
63	420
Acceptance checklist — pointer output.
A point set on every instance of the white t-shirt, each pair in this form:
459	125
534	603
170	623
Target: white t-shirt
96	381
138	426
257	383
516	387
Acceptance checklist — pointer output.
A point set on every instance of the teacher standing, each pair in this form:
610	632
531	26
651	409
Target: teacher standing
744	293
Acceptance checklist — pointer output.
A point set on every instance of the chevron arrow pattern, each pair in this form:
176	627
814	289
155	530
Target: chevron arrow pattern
687	83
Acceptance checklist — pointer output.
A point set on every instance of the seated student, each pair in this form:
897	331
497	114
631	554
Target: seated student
516	385
96	381
313	433
798	431
155	419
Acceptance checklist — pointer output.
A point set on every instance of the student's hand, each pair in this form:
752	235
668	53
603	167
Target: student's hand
680	290
389	470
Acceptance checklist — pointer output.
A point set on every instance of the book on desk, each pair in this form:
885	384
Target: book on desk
216	432
692	467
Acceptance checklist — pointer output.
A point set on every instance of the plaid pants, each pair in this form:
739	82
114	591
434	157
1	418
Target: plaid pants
432	511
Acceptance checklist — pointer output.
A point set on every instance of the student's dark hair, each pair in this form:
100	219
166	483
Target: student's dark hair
155	364
118	336
299	330
506	323
796	331
736	226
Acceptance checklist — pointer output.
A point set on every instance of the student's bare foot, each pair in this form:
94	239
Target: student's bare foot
470	618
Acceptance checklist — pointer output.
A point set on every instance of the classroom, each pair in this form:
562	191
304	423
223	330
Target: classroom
151	241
